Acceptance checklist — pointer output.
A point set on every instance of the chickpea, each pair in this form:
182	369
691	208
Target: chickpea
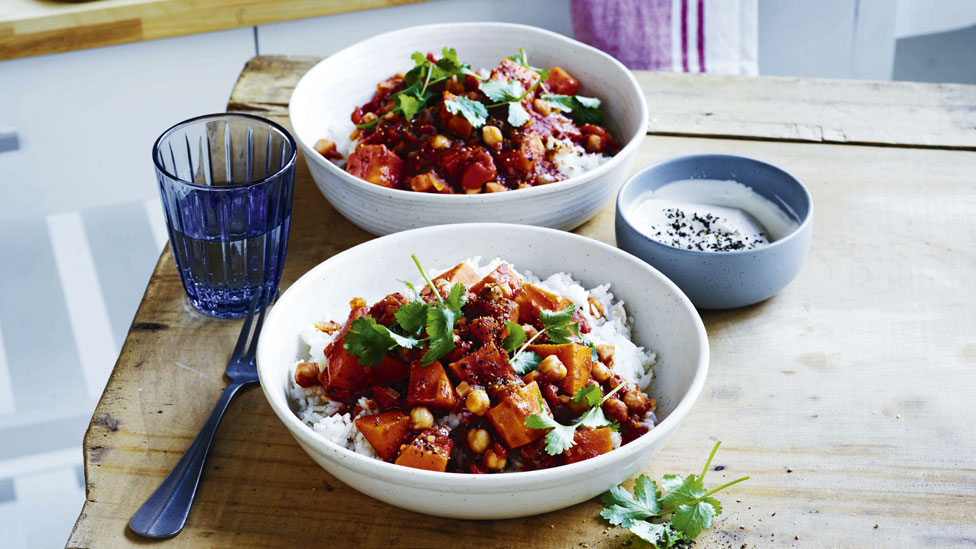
463	389
478	440
552	368
593	143
615	410
307	374
440	142
636	401
324	146
473	191
357	302
477	402
600	372
329	326
420	183
421	418
495	187
605	352
491	135
493	461
531	376
368	117
542	107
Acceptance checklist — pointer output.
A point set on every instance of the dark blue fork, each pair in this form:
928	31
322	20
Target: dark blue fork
164	513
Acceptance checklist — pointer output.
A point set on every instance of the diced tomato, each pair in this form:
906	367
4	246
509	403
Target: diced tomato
589	443
376	164
387	398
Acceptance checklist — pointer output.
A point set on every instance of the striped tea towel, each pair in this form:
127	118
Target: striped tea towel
717	36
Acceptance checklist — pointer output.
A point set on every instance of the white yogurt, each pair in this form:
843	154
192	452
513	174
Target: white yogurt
709	215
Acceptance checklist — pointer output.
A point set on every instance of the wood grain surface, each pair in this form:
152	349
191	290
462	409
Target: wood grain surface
804	110
846	398
38	27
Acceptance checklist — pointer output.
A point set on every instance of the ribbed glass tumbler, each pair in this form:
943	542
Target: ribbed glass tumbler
226	182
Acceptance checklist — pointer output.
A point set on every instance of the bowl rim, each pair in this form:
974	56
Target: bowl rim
401	475
623	213
633	141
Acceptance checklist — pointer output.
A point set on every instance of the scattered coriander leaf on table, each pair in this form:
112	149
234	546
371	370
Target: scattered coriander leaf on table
688	507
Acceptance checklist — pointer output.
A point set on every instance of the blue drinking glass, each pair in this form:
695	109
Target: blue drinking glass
226	182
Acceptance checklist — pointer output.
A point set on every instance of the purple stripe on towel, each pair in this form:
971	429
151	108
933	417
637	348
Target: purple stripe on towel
684	35
701	35
636	32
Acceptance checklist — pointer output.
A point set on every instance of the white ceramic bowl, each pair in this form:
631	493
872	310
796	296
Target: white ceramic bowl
664	320
324	98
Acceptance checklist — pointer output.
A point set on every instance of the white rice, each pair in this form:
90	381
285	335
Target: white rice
571	159
631	362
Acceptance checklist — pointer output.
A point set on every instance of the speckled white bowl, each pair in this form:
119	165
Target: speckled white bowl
663	320
324	98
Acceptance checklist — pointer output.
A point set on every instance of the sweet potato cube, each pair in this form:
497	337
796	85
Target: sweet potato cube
532	300
589	443
577	359
503	276
342	372
430	387
483	366
385	432
461	273
508	417
561	82
430	450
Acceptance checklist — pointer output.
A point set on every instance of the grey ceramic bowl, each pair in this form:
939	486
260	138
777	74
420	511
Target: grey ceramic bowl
722	280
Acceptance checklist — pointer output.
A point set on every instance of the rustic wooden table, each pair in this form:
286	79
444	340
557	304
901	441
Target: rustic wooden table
847	397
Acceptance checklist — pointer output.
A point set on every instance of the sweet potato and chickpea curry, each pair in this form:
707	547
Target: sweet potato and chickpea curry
509	360
443	128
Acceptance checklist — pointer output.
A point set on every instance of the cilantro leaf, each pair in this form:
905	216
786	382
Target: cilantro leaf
525	362
559	439
412	316
440	334
517	115
409	106
473	111
690	507
622	509
594	418
502	91
690	520
559	324
368	341
515	338
690	490
418	58
659	535
583	110
591	393
455	299
670	482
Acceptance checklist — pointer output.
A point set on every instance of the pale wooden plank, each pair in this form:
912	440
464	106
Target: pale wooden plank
776	108
805	389
35	27
815	110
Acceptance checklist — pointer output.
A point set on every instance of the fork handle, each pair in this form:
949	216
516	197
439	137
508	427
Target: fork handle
164	513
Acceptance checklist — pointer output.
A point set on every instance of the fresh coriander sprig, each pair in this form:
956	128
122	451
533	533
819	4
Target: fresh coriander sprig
562	437
369	341
584	110
689	504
